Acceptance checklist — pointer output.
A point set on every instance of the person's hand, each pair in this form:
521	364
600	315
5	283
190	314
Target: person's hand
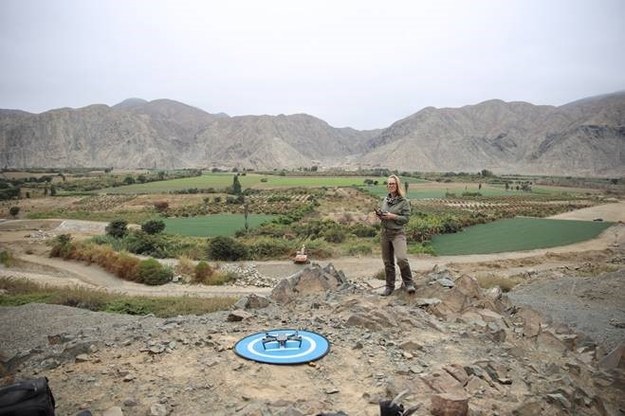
388	216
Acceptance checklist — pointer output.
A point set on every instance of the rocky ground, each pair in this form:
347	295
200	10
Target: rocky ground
552	346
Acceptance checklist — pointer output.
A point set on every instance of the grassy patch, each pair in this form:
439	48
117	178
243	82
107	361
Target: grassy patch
21	292
6	258
213	225
516	234
168	307
417	248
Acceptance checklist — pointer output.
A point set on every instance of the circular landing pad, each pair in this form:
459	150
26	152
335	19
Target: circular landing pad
283	346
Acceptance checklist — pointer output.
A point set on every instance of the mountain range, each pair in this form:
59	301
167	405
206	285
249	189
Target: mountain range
583	138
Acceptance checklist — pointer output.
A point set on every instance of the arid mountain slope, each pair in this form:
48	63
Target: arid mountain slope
585	137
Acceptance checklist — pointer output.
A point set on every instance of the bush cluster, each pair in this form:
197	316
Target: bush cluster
140	242
62	246
153	226
208	275
359	249
152	273
425	227
117	228
203	272
226	249
121	264
269	248
149	241
364	230
334	235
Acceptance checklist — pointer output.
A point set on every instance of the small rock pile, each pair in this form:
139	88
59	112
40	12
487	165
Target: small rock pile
248	275
40	235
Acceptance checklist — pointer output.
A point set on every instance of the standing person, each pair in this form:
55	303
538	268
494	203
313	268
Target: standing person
394	212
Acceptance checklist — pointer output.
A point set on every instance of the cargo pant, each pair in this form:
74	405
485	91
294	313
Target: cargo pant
394	246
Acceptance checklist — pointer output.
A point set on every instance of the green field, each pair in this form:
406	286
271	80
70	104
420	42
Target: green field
434	190
213	225
516	234
220	181
417	188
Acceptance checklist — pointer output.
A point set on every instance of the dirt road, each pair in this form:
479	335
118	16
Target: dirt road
26	239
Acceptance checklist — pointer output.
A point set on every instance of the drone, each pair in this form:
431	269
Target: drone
281	339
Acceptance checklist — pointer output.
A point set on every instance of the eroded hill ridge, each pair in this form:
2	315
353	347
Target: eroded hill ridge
582	138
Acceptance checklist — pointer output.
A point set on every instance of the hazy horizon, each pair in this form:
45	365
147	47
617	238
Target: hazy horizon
359	64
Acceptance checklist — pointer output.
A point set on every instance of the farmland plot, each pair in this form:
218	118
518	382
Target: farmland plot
212	225
517	234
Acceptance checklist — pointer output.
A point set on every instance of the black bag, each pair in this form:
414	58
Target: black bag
27	398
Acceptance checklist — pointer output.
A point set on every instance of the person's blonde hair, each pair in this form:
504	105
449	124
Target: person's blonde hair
400	189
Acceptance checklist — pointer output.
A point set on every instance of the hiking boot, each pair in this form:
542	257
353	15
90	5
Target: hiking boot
387	291
410	288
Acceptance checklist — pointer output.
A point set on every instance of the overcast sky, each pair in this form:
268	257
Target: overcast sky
363	64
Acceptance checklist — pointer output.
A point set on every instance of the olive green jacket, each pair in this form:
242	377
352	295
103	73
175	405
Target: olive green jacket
399	206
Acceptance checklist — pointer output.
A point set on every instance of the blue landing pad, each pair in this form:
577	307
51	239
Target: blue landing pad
283	346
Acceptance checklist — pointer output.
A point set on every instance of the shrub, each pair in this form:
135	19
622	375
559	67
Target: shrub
203	273
334	235
90	253
221	277
226	249
125	266
161	206
128	307
268	248
450	224
192	249
107	240
359	249
140	242
235	200
14	211
153	226
274	230
6	258
380	275
151	272
80	297
117	228
363	230
185	268
62	246
423	248
319	249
